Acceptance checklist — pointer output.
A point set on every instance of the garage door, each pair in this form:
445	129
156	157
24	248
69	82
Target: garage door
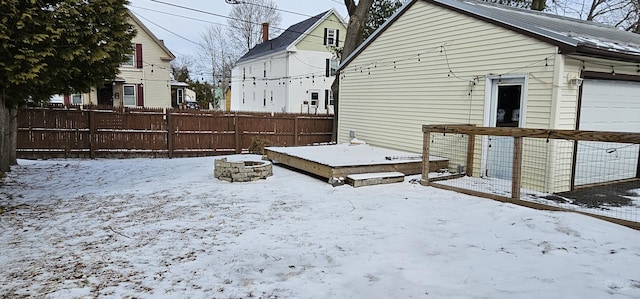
608	106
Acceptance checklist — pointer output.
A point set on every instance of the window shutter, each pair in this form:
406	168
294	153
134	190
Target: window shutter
327	65
140	95
326	99
139	56
337	38
67	100
324	40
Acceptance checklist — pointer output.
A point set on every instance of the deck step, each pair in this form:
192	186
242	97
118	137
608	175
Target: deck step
375	178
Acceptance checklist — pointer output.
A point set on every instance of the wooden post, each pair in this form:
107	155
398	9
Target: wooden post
93	137
170	133
516	178
471	148
425	158
295	131
237	131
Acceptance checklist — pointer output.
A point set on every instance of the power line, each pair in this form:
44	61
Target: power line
178	35
230	18
275	8
184	17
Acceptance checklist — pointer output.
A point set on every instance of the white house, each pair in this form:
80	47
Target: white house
473	62
293	72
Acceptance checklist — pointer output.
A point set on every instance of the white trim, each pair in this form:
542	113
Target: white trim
490	107
135	96
488	97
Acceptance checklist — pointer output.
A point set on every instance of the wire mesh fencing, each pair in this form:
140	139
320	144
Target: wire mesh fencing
596	173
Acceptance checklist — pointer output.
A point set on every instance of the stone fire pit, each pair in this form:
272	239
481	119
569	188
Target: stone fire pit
241	171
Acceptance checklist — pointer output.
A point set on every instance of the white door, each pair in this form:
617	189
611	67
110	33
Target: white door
608	106
505	104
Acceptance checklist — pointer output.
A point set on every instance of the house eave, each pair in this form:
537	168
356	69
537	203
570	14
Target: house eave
606	54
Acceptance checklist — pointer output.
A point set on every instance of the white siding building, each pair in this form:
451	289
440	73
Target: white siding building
293	72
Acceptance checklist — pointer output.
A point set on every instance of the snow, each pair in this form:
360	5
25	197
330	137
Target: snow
165	228
503	188
345	154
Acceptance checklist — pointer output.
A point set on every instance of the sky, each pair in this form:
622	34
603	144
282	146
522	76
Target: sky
180	31
166	228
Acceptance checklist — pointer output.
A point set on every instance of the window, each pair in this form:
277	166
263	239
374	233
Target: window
331	67
130	60
243	97
244	73
129	95
272	96
264	98
76	99
265	70
331	37
180	96
314	98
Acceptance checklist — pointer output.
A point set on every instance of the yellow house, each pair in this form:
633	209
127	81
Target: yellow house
473	62
144	80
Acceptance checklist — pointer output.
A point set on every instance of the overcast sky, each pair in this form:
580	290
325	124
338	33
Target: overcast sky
186	30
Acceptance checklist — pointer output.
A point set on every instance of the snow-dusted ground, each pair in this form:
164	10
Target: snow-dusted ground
160	228
503	188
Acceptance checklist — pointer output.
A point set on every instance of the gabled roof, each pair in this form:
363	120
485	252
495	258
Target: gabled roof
164	48
572	36
289	37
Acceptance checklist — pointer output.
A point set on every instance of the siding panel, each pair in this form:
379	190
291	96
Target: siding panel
419	72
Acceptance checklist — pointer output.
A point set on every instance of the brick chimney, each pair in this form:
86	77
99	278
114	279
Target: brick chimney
265	32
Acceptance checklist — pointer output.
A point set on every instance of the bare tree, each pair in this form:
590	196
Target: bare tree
246	20
624	14
358	16
216	55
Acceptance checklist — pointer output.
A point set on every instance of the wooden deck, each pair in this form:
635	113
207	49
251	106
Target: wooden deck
341	160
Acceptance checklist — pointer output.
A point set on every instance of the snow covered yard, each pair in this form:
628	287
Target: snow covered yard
165	228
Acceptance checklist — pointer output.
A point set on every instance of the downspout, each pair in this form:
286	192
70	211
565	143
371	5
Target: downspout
556	97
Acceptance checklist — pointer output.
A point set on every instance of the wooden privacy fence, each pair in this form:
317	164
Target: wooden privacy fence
104	133
566	170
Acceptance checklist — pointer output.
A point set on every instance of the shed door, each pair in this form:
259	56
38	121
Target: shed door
507	99
608	106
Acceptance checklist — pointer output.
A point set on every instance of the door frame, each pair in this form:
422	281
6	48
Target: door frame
491	104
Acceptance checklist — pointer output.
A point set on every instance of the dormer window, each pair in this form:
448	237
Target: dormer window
331	37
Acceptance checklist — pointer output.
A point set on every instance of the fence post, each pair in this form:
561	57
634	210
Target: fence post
517	168
93	138
425	159
471	148
295	131
169	134
237	131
